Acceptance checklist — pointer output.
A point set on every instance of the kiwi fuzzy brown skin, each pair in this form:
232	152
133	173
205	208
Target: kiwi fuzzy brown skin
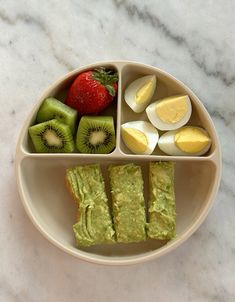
96	135
52	137
52	108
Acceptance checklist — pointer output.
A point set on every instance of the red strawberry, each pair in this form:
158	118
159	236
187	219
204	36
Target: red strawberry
92	91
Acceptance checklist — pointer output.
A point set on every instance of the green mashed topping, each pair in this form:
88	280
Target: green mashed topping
162	215
128	202
95	223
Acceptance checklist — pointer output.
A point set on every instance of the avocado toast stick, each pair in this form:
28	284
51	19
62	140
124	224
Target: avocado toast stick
94	224
128	202
161	205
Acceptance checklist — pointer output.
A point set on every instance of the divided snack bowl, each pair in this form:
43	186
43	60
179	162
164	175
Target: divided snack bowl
41	177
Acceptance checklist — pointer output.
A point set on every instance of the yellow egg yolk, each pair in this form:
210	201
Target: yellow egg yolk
144	93
172	109
135	140
191	140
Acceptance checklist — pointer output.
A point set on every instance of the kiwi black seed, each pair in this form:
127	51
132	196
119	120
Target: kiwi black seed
52	137
51	108
96	134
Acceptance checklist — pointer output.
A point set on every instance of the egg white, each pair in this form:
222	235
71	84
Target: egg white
150	132
161	125
167	144
132	89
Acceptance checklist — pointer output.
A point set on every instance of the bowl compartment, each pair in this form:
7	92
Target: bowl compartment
54	210
59	90
166	86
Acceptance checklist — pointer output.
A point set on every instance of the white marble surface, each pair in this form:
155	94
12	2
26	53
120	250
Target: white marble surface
42	40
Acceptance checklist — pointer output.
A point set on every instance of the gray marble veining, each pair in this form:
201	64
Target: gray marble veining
42	40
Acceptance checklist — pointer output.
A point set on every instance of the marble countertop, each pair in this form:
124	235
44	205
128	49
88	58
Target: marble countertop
42	40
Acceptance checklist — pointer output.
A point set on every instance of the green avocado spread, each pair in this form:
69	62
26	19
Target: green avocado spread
94	225
128	202
161	207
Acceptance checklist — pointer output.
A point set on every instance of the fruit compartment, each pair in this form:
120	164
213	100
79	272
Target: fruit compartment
166	86
59	90
53	211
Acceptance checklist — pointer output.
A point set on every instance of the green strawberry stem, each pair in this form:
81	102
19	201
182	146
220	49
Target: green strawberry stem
106	78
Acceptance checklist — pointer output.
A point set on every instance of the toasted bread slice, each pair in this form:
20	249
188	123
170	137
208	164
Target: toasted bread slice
161	205
128	202
94	225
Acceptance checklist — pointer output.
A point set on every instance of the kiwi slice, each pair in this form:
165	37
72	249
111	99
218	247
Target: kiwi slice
96	134
52	136
51	108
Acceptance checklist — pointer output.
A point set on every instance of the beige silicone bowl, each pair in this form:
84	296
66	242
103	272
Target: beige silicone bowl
41	177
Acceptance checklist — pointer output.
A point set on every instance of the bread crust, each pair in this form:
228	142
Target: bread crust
76	200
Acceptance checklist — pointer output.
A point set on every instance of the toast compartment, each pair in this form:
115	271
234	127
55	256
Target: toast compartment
43	190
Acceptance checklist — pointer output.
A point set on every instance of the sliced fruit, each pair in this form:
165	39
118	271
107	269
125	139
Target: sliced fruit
51	108
52	137
92	91
96	134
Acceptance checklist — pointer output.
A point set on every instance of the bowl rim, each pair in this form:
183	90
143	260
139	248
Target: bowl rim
125	260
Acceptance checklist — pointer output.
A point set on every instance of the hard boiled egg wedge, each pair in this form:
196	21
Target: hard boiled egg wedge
140	137
187	140
170	113
140	92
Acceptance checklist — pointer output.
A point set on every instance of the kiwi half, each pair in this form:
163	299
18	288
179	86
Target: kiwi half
51	108
52	137
96	134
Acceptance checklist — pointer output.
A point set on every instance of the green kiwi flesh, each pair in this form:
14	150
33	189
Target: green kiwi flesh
96	134
52	137
51	108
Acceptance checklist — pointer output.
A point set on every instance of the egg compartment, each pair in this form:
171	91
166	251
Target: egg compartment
53	210
166	86
59	90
